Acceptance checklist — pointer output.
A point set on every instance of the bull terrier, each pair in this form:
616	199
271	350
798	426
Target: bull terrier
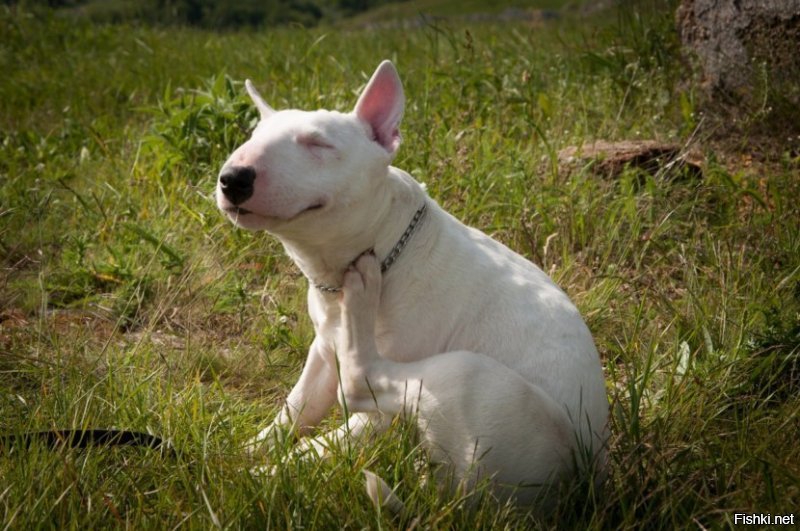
414	312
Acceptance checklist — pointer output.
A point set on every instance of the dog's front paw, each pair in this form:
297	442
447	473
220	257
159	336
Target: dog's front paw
268	439
362	280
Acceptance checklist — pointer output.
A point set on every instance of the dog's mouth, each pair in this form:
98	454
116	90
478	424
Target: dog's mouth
315	206
239	211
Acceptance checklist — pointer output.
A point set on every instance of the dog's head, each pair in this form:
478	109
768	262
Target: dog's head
300	170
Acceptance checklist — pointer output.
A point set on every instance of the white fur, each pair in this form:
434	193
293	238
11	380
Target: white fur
476	340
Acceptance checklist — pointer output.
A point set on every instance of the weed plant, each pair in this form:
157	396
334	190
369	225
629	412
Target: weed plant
129	301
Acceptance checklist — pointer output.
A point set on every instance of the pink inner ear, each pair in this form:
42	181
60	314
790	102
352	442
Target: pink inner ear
381	106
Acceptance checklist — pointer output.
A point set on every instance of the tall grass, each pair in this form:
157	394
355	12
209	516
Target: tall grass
128	301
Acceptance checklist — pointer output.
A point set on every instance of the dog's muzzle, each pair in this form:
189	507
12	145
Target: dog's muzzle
236	183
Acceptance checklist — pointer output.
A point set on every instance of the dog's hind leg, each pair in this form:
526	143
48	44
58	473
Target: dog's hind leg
475	416
357	427
367	382
356	350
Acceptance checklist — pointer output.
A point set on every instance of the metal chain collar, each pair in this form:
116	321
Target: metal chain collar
393	254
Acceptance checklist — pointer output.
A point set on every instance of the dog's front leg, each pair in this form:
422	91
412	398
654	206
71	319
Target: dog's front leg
309	400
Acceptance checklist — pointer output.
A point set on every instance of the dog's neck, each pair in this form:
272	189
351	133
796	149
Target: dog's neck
380	228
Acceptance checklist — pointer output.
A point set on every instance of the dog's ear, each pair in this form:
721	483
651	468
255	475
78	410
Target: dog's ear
262	106
381	106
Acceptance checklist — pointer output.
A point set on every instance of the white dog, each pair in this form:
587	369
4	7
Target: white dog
446	323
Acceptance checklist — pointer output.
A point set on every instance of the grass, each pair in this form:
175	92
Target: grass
128	301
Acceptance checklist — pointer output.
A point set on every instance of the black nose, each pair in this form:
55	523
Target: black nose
236	183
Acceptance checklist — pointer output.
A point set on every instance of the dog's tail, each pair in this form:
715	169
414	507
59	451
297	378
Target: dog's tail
382	496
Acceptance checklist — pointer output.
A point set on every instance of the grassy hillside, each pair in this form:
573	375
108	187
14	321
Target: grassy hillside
406	11
128	301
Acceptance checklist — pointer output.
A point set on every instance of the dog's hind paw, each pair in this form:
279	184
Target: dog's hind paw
363	277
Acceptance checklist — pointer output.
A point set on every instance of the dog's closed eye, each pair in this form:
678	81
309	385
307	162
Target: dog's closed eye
313	141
